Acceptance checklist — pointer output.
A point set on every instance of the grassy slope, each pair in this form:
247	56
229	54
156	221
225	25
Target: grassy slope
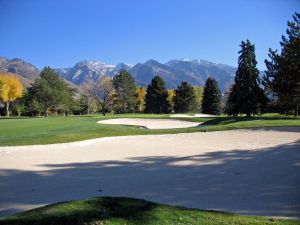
29	131
107	210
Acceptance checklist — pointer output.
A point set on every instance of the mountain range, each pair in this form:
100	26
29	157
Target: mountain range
173	72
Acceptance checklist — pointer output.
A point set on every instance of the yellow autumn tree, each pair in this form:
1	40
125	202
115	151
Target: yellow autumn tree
140	94
199	96
170	98
10	89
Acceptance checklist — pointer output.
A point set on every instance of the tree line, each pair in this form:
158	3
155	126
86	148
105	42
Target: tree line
119	94
278	90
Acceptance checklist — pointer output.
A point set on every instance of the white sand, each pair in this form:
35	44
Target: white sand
194	116
245	171
151	123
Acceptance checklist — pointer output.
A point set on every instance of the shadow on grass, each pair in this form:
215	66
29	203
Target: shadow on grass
87	211
259	182
230	120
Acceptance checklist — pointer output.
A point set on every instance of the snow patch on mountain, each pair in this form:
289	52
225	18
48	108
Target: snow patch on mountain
194	71
91	69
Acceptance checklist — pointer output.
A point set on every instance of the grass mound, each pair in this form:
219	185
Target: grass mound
118	210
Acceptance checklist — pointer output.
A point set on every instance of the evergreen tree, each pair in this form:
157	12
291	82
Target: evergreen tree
211	97
49	91
246	97
81	105
283	70
33	107
156	97
124	99
184	99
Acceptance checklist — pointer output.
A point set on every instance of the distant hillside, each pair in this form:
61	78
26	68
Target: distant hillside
26	72
20	67
173	72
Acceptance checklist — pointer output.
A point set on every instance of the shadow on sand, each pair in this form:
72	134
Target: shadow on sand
260	182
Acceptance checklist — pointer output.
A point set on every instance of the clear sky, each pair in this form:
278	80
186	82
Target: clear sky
60	33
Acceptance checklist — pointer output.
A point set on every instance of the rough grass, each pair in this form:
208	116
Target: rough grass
108	210
29	131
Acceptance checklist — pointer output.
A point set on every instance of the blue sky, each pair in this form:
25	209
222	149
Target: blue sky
59	33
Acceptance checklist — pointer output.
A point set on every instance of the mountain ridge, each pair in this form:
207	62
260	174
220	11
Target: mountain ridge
20	67
194	71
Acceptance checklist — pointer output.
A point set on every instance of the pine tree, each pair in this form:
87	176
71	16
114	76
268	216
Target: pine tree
246	96
283	70
185	99
124	99
49	91
33	106
211	97
156	97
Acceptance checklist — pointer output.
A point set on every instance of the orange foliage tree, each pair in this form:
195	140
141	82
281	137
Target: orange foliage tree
10	89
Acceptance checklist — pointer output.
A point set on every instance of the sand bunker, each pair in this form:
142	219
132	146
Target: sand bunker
254	171
151	123
194	116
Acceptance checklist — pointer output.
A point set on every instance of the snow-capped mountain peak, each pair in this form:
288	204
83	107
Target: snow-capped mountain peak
91	69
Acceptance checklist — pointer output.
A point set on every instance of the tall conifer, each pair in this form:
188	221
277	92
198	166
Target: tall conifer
211	97
156	97
246	96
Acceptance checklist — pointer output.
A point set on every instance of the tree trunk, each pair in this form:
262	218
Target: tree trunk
19	113
248	114
46	113
296	111
103	108
88	107
7	109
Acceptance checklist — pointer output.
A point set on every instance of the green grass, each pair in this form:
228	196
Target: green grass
28	131
108	210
